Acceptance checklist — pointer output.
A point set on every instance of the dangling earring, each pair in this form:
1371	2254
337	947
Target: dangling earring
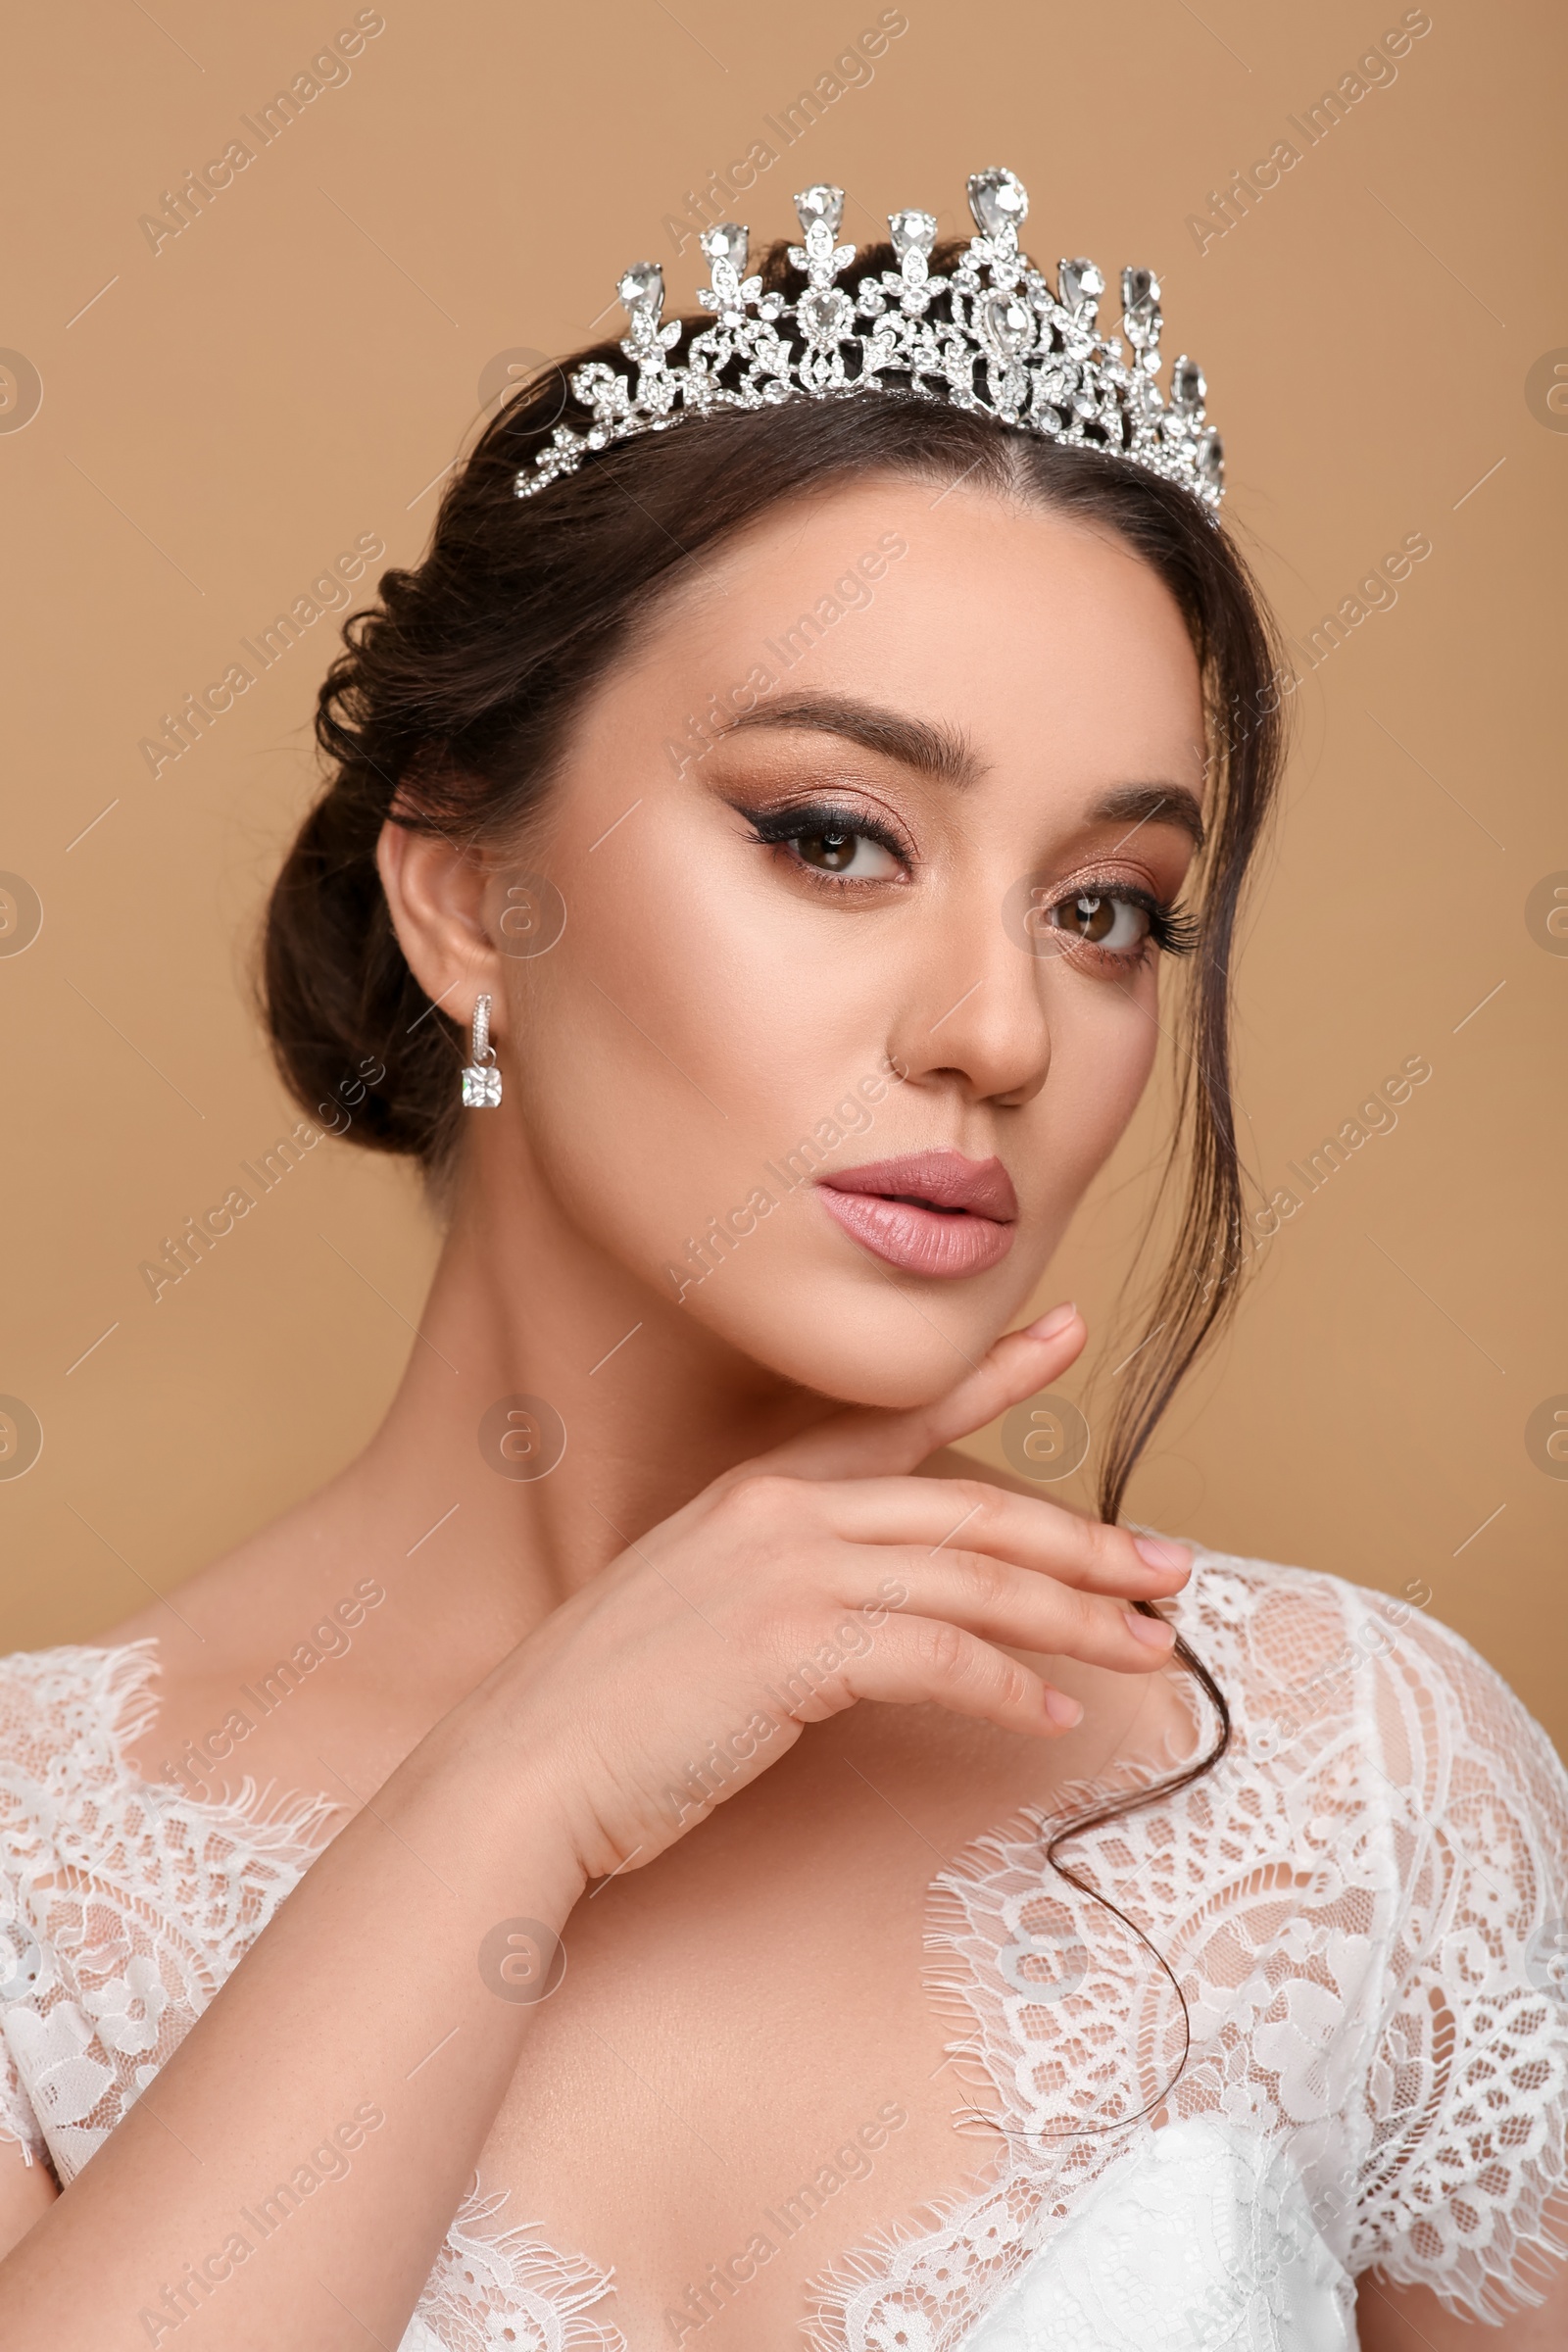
481	1080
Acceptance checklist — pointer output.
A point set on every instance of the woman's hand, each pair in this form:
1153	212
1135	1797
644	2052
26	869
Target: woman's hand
822	1573
816	1575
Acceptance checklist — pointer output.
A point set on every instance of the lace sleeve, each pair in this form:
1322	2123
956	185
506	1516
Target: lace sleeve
1468	2090
129	1904
18	2126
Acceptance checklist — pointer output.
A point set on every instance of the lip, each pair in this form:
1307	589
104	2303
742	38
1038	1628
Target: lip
927	1213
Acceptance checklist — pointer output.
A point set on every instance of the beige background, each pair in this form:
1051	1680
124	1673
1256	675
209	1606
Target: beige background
295	368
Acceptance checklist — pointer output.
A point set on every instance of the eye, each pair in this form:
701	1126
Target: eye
839	845
856	856
1118	926
1121	924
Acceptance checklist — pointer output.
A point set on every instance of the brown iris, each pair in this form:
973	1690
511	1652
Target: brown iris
832	851
1090	917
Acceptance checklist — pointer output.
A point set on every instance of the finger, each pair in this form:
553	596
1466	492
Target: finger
1025	1529
928	1661
865	1442
993	1598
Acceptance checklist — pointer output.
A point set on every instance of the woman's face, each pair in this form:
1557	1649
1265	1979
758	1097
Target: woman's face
863	855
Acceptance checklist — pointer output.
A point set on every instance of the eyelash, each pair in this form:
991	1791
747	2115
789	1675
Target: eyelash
1169	932
772	827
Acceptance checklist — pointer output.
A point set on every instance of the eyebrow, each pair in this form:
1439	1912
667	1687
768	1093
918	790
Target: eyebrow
1136	805
935	750
946	754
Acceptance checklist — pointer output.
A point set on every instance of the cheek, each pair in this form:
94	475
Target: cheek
1104	1037
680	1034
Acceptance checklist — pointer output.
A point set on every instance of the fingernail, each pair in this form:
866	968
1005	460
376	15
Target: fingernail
1062	1709
1153	1630
1049	1325
1157	1554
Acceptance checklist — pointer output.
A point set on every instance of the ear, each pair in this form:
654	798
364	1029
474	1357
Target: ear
436	891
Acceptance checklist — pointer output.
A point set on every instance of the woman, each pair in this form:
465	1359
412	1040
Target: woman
742	882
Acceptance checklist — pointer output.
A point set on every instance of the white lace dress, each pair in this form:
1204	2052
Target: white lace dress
1364	1907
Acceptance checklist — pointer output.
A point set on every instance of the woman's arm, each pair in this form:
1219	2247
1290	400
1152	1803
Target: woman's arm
27	2193
288	2177
357	2040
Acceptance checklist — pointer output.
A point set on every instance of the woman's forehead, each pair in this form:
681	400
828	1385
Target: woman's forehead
993	624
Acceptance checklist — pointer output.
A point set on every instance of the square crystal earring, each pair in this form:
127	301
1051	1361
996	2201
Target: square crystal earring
481	1080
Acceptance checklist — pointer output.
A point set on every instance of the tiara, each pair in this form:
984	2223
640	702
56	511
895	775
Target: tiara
1010	346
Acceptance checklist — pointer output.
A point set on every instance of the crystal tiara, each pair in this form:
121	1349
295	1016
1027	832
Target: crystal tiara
1010	345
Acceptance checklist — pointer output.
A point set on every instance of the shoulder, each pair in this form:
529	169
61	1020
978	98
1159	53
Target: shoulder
68	1718
74	1708
1300	1650
1332	1681
65	1717
1304	1634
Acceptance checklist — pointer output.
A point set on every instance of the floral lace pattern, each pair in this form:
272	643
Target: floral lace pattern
1202	2239
122	1909
1364	2030
1362	1906
494	2285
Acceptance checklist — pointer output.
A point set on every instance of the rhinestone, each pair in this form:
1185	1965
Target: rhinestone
1082	285
1140	297
727	243
481	1086
1186	387
642	289
825	313
1046	362
997	201
820	203
912	232
1006	323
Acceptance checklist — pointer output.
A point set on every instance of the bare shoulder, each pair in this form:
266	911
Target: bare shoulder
266	1660
205	1630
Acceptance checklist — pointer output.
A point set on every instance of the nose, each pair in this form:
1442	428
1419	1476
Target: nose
974	1016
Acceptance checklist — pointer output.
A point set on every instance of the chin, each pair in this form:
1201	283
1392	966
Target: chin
862	1340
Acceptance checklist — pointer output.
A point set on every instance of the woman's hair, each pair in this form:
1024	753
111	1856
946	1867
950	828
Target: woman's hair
456	698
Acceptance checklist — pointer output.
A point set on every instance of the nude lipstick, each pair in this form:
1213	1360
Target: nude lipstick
927	1213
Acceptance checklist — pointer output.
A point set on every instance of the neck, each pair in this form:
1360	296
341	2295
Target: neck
522	1307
